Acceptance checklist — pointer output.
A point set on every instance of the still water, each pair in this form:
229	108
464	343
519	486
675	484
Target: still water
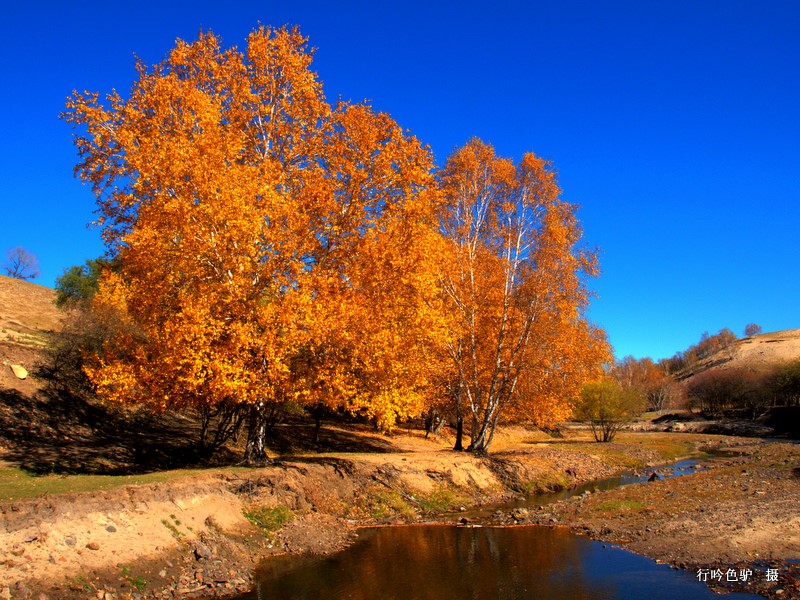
431	562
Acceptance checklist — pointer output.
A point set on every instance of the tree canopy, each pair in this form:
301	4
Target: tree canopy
270	246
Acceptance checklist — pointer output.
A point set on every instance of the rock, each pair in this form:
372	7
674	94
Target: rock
656	476
93	546
19	371
111	529
202	552
70	540
519	514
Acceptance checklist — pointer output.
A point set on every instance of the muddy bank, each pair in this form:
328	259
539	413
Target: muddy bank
202	536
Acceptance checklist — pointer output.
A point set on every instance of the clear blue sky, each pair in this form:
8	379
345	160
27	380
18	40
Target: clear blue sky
674	125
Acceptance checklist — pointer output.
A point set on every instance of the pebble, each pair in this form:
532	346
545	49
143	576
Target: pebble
93	546
111	529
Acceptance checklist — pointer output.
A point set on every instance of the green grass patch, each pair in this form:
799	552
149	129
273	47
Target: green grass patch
547	482
381	503
609	453
79	582
172	529
624	450
137	582
667	446
442	498
17	483
269	518
619	506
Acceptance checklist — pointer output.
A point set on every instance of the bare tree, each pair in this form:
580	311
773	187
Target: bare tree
752	329
21	264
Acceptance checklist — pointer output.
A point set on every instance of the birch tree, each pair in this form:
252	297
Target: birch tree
516	287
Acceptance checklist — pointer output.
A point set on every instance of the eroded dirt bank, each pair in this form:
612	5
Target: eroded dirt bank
193	538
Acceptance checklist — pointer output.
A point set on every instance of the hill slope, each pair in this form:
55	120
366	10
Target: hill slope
759	354
28	317
26	309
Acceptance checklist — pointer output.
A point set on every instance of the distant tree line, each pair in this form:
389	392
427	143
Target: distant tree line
741	388
632	385
708	345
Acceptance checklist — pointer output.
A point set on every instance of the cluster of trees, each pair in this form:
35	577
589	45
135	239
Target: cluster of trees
267	247
630	387
702	350
745	389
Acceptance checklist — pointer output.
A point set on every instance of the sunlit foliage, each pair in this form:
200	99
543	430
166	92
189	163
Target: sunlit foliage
607	406
258	231
270	247
521	345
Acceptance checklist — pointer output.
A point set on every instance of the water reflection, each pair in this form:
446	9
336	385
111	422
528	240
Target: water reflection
442	562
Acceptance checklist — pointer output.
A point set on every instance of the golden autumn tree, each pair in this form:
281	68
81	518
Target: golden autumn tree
374	320
236	202
515	285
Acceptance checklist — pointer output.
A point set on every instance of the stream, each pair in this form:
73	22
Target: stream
667	471
429	562
443	562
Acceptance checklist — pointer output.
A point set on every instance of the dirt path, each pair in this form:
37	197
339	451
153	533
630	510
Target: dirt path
193	537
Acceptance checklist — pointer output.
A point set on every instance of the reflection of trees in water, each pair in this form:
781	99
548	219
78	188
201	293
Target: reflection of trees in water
438	563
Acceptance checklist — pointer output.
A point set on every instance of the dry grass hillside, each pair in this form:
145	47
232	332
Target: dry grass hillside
758	353
765	350
26	311
28	318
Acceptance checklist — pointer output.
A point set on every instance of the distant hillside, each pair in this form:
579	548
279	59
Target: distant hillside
758	353
26	311
28	318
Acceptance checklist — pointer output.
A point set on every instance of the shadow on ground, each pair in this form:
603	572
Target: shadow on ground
296	438
66	434
58	431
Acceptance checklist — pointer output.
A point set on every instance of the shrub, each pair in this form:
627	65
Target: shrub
608	407
269	518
